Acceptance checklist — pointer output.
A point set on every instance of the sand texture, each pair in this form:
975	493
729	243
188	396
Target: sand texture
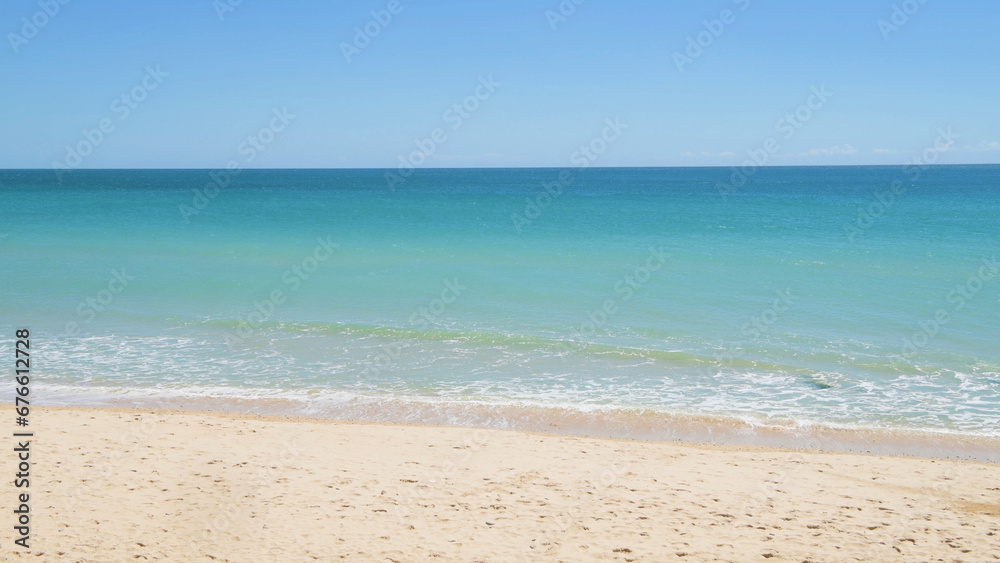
140	485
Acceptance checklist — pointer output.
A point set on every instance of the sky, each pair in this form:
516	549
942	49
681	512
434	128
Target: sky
502	83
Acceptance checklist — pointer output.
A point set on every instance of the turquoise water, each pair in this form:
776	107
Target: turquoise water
630	297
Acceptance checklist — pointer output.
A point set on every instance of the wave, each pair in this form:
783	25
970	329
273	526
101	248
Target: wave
583	420
312	360
561	345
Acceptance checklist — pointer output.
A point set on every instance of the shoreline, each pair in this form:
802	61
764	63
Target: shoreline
542	433
612	423
150	484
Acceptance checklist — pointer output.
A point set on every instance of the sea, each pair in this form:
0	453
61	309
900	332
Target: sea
831	308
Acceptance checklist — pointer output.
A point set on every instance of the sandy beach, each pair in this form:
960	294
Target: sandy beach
140	485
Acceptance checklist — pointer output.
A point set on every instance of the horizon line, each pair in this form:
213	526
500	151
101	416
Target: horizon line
733	166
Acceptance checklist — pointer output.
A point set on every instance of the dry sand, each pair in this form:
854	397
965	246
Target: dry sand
140	485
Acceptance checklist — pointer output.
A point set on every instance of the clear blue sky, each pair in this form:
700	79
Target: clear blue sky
892	89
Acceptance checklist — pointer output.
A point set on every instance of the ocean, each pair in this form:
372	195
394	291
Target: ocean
851	308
